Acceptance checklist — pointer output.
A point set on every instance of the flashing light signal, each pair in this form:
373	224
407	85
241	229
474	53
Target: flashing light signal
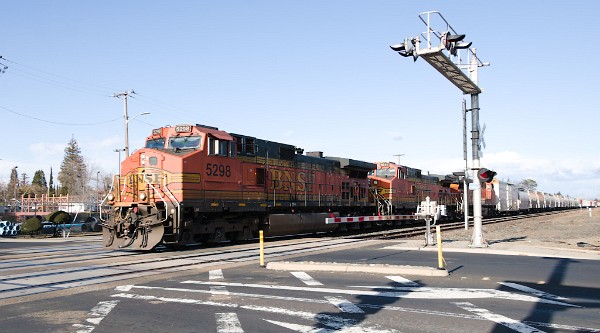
454	42
486	175
406	48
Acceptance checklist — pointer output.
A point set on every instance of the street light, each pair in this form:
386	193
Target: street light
97	190
127	130
126	94
119	151
15	187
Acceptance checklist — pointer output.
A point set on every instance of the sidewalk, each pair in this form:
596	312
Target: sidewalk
501	248
508	248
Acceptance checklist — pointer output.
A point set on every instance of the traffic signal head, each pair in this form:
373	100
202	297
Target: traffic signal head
485	175
406	48
454	42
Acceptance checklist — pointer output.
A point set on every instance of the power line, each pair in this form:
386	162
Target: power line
56	122
58	80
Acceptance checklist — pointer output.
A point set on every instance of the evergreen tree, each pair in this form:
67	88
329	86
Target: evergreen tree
73	171
51	189
13	184
38	184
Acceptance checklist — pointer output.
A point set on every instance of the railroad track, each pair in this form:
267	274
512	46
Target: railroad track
419	230
40	269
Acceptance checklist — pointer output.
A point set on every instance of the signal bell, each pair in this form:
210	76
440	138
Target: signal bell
485	175
453	42
406	48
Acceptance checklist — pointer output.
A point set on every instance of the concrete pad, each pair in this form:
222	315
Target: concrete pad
356	268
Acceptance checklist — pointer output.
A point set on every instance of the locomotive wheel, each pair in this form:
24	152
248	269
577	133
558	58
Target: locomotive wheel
217	237
141	239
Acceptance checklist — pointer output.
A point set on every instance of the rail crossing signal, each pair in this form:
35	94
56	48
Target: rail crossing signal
406	48
454	42
432	46
486	175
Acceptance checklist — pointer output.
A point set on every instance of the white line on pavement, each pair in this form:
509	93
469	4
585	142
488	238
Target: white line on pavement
228	323
502	320
307	279
344	304
215	274
96	314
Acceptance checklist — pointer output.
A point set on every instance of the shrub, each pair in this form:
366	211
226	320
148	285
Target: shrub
31	226
59	217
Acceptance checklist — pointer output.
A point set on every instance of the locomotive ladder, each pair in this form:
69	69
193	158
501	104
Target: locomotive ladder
384	205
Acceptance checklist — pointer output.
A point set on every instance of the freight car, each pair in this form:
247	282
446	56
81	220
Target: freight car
196	183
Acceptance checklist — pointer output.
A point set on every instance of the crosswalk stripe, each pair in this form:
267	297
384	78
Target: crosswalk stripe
499	319
403	281
307	279
215	274
344	304
535	292
219	290
228	323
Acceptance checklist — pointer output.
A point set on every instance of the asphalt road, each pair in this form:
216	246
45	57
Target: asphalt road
482	293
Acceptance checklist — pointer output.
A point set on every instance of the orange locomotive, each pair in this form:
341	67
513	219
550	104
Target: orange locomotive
195	183
400	189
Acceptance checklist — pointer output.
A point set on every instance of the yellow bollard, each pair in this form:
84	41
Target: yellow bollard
441	260
262	249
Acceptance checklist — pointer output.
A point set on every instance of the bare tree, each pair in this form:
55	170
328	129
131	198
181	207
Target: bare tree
528	184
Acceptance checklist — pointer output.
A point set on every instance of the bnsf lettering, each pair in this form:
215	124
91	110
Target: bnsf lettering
152	178
218	170
286	180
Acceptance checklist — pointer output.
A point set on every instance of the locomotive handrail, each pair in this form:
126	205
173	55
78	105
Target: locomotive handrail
170	194
112	185
159	195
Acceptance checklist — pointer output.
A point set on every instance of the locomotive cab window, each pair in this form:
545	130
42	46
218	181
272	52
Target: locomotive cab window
218	147
184	142
156	143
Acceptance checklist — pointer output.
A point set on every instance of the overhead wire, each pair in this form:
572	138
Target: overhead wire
57	122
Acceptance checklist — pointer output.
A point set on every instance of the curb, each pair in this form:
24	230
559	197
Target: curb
356	268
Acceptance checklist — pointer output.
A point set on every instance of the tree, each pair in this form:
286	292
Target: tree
528	184
73	171
13	184
38	184
51	184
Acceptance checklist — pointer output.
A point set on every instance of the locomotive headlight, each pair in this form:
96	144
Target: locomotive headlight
143	196
111	197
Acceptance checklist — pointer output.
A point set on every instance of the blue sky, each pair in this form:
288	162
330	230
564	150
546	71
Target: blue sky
316	74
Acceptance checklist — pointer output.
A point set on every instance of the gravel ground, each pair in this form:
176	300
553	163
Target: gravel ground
573	229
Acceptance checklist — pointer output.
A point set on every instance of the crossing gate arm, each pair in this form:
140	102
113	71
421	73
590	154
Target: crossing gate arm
355	219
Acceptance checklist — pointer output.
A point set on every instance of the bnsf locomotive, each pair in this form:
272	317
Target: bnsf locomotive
195	183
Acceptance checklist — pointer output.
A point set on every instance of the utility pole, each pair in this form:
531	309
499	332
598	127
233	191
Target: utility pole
125	94
398	156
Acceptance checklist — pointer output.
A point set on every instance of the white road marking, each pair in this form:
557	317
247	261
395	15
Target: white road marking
321	301
97	313
502	320
536	292
215	274
312	329
402	292
126	287
403	280
344	304
228	323
307	279
219	290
